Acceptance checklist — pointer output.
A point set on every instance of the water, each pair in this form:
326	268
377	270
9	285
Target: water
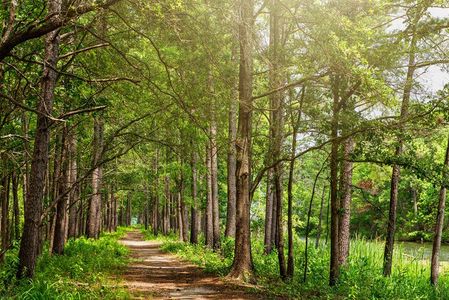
423	251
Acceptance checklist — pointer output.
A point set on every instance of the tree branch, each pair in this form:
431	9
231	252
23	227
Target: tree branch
290	85
48	24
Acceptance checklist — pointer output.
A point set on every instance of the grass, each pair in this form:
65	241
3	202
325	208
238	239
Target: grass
83	272
361	279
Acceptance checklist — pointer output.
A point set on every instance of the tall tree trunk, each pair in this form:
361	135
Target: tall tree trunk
33	203
73	195
81	215
277	112
53	187
290	255
146	213
110	209
195	219
395	175
334	265
61	208
274	207
166	211
121	217
209	206
4	225
94	216
242	267
345	202
232	134
214	183
179	214
51	231
26	148
185	218
268	236
16	209
114	209
128	209
279	222
172	212
435	262
156	217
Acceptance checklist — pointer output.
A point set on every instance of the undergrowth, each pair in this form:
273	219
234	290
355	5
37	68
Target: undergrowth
361	279
82	272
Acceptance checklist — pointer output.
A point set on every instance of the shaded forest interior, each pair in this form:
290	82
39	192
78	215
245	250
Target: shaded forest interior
296	143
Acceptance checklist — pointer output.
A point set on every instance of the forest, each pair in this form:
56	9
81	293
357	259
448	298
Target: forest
275	149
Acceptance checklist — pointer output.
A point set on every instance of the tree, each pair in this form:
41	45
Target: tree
33	203
242	266
436	249
395	175
94	216
61	208
231	165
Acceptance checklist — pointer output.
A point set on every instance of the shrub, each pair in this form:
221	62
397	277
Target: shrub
81	273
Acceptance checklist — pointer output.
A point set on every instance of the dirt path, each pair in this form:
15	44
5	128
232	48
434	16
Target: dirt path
158	275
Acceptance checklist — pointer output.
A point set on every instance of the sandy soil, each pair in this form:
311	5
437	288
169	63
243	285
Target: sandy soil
154	274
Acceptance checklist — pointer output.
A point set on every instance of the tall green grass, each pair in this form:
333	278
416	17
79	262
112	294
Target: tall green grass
83	272
360	279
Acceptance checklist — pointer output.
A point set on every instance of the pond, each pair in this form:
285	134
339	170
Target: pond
423	251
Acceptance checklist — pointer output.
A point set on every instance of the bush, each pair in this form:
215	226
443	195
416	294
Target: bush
81	273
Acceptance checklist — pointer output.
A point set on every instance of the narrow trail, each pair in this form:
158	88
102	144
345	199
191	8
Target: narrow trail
154	274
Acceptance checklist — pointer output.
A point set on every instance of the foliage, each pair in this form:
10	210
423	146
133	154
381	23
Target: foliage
360	279
82	272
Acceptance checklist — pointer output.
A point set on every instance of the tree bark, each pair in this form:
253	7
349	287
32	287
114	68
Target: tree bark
290	255
242	267
276	127
214	183
121	217
209	206
16	208
345	202
195	220
4	198
274	207
81	216
435	261
114	209
128	209
146	214
33	203
165	213
395	175
94	216
334	265
268	237
156	217
279	223
61	208
231	165
179	214
73	196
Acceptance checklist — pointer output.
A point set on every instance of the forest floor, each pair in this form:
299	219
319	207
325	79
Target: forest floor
153	274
